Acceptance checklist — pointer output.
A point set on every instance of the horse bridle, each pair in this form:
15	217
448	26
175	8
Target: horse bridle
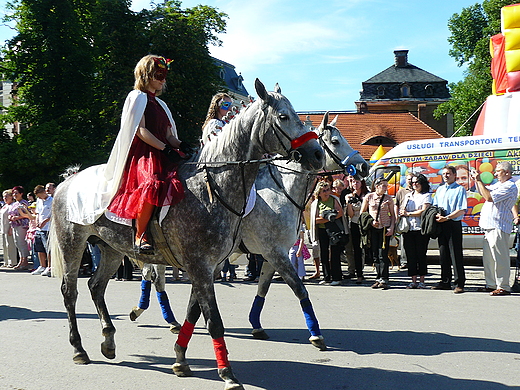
344	164
292	154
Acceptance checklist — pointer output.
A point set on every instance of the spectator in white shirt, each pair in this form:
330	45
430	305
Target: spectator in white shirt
496	219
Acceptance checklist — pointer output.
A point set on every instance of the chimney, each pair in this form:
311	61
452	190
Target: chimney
401	58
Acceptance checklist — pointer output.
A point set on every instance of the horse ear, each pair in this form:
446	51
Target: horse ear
277	88
324	122
333	123
261	91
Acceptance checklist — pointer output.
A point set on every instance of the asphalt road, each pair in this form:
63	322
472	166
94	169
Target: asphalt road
394	339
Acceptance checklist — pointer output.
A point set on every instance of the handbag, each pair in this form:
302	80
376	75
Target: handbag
336	234
403	225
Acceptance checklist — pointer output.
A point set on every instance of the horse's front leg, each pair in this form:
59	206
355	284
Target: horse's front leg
284	267
110	262
264	282
204	290
181	367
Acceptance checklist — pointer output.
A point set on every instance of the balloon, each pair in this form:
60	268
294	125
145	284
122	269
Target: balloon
485	167
486	177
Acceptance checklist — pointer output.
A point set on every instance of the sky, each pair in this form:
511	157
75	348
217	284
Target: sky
321	51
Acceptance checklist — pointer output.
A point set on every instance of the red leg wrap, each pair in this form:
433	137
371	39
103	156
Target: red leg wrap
185	334
221	352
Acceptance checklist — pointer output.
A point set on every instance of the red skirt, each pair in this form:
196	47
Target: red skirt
149	177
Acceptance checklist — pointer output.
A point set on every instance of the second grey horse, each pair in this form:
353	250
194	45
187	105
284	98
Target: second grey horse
272	226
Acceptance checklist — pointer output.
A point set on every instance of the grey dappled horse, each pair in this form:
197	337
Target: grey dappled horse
272	226
201	230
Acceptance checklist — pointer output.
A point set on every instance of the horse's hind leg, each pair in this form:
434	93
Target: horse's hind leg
69	290
282	264
159	281
69	253
264	282
110	261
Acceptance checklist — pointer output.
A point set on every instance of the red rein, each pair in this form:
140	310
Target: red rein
296	143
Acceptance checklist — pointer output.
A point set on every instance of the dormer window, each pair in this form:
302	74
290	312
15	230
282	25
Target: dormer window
405	90
222	74
380	91
429	90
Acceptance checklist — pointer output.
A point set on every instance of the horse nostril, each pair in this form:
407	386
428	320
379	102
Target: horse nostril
319	155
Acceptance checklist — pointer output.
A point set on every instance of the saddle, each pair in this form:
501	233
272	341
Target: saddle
156	238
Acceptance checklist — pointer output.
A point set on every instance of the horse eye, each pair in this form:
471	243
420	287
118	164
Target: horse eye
283	117
334	140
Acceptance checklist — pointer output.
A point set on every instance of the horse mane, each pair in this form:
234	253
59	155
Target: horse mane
70	171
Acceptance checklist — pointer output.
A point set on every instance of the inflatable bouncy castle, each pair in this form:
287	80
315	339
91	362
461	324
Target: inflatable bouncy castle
501	112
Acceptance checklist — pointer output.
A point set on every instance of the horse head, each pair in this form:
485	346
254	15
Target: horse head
338	152
284	132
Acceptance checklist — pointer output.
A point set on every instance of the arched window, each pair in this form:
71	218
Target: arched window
380	91
405	90
428	90
222	74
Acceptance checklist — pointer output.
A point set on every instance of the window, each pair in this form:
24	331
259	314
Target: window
429	90
380	91
405	90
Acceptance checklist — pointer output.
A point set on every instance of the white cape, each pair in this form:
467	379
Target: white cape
92	189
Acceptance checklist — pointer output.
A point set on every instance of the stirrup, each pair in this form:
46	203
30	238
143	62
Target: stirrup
143	247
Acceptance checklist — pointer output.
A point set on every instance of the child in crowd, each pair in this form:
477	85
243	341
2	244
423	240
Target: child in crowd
299	253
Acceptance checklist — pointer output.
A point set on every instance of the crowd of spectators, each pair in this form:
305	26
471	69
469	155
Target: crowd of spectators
344	220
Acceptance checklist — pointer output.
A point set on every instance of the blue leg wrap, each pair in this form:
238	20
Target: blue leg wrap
256	309
310	317
144	302
167	313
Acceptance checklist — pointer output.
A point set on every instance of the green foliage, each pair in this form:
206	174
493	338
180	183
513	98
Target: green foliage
470	33
73	61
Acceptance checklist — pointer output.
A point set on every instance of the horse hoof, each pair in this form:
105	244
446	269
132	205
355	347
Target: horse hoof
318	342
175	327
109	353
81	358
182	369
260	334
232	382
136	312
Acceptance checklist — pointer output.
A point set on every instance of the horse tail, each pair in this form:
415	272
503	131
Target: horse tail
56	253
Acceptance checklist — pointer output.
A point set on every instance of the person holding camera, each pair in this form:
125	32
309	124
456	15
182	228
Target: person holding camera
326	209
380	206
353	207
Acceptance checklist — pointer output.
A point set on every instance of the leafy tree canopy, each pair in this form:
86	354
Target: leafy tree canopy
470	33
72	63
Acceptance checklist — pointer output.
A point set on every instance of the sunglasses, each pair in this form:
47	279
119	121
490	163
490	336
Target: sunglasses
225	105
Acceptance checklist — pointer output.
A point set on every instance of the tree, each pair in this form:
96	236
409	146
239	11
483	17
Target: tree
184	35
73	64
470	34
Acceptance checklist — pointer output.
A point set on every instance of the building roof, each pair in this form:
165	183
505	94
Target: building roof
232	80
405	74
359	128
404	81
